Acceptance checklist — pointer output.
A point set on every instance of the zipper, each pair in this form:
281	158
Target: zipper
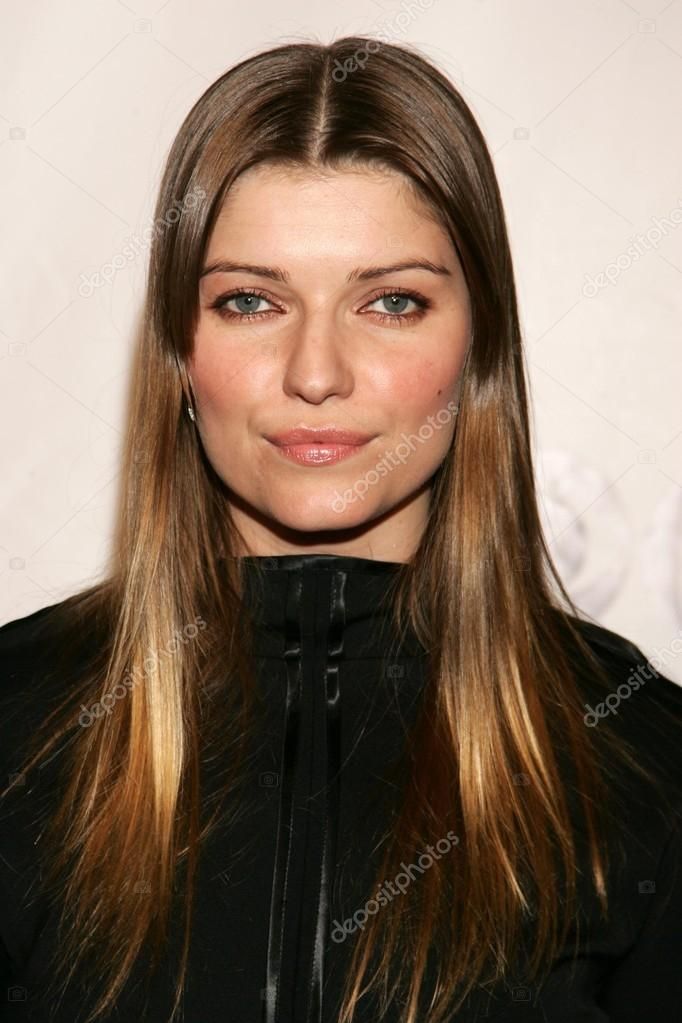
314	632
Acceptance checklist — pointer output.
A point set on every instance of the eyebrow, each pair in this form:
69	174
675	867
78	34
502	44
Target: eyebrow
276	274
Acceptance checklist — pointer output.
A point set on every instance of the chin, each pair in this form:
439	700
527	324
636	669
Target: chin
323	512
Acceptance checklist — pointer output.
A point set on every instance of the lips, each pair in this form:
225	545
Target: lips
318	446
312	435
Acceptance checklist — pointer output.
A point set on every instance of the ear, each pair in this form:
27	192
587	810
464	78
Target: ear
186	381
191	390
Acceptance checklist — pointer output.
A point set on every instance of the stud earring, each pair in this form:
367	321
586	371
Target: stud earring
190	412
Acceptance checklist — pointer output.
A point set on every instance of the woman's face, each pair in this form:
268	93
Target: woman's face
321	339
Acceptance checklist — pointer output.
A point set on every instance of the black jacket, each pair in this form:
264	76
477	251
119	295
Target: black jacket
283	890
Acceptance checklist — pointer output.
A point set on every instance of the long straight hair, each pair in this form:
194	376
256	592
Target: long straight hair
501	700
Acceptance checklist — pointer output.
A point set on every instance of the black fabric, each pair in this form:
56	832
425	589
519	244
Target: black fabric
281	890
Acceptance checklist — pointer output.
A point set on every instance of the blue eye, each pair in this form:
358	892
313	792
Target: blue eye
393	307
400	318
250	298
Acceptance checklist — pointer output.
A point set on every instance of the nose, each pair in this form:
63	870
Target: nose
316	362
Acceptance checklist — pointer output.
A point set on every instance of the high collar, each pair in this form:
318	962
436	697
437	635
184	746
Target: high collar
313	612
320	597
320	562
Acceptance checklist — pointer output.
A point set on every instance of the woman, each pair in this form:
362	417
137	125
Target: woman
317	748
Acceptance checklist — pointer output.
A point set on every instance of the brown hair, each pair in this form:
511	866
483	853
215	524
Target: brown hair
501	698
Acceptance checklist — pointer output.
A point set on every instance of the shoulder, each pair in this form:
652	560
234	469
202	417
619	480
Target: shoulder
26	655
18	635
636	689
43	656
26	645
67	632
632	702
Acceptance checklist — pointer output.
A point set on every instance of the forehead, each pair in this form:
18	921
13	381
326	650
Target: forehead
377	205
320	181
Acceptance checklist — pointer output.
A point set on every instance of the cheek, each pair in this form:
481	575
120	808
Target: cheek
417	390
224	381
420	399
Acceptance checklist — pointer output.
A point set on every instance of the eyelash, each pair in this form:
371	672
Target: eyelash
402	318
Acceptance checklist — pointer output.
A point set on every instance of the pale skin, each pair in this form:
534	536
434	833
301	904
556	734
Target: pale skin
316	350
